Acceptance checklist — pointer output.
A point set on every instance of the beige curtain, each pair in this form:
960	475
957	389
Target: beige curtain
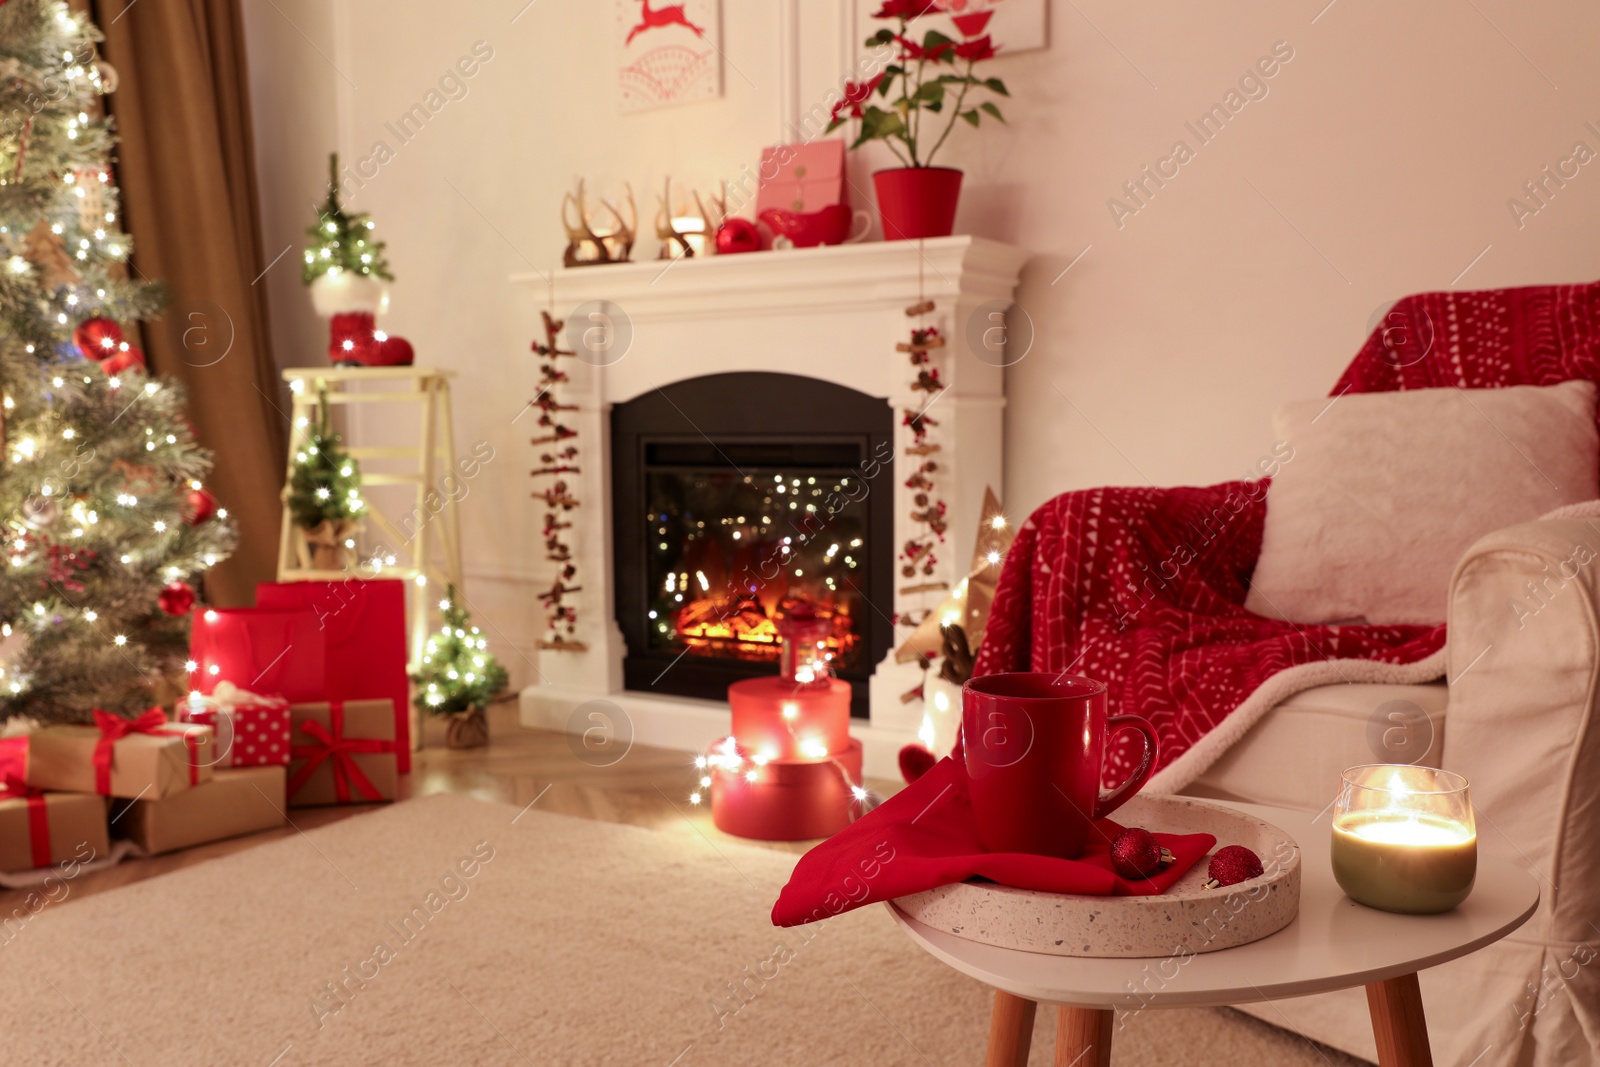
187	174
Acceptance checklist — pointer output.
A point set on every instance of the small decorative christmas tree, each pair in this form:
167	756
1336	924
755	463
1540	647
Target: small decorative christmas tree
458	676
345	270
325	493
341	240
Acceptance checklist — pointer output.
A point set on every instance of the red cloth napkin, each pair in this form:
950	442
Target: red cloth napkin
926	836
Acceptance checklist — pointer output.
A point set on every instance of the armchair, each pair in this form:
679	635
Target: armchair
1517	718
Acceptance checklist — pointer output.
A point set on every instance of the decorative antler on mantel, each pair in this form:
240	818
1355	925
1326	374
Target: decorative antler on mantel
586	245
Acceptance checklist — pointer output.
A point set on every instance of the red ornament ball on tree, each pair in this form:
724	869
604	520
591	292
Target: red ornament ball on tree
97	338
1233	865
201	506
177	598
126	358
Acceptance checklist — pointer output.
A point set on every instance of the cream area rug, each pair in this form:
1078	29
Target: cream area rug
449	930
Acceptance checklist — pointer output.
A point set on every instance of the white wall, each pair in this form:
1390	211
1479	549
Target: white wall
1378	163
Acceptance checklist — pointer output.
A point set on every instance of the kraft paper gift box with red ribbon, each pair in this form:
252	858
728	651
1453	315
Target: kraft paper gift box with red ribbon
234	802
39	829
343	752
262	650
252	729
363	622
145	756
801	177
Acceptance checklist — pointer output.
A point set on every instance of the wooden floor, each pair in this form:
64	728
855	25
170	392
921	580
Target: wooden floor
647	787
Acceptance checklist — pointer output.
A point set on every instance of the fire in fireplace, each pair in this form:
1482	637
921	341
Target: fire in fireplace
739	497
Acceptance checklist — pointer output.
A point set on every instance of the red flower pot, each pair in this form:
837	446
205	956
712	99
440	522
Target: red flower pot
917	201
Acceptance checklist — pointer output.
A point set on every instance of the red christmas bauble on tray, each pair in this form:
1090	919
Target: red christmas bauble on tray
97	338
1232	865
1135	853
176	598
201	505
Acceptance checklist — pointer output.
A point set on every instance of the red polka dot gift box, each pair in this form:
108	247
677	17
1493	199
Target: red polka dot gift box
252	729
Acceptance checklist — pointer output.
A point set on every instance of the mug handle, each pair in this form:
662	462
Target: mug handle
863	218
1110	802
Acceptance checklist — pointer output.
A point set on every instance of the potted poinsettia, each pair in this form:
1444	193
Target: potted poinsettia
929	87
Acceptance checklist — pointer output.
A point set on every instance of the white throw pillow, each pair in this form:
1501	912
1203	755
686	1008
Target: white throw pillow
1385	491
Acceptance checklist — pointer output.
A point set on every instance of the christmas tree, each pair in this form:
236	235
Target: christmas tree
104	517
325	485
341	241
457	673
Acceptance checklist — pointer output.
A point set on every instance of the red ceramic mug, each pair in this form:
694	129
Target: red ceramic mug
1035	745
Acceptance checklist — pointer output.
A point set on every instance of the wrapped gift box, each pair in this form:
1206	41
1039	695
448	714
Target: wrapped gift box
342	752
252	729
267	651
364	625
154	759
783	721
801	177
39	829
790	800
234	802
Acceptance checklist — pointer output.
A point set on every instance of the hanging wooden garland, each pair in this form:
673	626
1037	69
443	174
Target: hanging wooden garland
917	555
558	498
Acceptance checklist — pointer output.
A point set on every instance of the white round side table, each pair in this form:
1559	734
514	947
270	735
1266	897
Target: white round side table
1334	943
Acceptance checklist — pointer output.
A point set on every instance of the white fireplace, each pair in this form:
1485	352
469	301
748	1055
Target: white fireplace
834	314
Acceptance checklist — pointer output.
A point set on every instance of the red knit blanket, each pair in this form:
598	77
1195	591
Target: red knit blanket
1144	588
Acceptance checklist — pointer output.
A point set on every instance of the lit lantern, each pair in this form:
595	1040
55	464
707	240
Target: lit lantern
803	657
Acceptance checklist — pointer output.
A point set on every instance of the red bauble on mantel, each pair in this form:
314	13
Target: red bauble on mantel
201	505
97	338
737	235
176	598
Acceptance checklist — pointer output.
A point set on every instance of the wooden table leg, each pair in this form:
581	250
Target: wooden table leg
1398	1023
1083	1037
1010	1030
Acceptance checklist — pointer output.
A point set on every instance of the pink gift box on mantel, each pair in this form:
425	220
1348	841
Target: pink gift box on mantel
252	729
801	177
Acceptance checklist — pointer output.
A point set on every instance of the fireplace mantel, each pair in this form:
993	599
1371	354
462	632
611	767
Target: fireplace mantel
829	313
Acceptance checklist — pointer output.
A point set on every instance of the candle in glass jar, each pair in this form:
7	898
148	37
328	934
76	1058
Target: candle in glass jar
1408	864
1404	839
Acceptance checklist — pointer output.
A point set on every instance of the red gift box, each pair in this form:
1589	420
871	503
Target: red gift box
252	730
783	721
264	650
788	800
801	177
364	625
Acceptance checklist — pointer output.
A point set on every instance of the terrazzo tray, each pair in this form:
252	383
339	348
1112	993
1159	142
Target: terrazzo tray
1184	920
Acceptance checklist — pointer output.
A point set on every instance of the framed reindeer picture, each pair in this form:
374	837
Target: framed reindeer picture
669	52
